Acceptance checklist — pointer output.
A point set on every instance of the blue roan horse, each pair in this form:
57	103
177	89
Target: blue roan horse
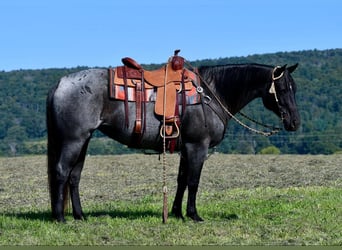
80	104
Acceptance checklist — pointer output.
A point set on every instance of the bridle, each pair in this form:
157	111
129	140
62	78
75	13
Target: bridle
272	90
223	107
274	78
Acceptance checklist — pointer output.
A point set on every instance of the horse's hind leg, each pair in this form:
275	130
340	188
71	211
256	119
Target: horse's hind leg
57	182
60	175
74	182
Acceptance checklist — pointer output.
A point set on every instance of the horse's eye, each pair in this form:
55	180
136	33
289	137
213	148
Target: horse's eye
282	91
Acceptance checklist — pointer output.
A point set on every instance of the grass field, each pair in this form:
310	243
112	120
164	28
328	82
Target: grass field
244	199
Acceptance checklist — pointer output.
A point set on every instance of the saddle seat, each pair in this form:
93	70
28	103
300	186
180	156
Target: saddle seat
153	78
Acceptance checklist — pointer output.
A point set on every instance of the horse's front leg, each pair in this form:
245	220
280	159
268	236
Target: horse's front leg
181	186
192	159
196	155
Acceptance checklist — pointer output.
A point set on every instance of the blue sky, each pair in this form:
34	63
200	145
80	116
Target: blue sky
38	34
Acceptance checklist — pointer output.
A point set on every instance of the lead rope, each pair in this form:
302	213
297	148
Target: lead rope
165	208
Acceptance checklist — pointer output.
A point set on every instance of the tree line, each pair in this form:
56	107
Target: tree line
319	98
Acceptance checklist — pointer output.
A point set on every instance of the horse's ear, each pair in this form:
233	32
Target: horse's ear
279	70
292	68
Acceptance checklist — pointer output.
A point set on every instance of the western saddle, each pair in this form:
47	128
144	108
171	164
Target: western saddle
166	81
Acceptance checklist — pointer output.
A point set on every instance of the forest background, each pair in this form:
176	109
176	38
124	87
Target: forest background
319	98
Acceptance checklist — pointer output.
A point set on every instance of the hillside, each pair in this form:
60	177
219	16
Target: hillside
319	97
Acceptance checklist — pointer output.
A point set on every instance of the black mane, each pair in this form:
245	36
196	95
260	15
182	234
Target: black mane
236	83
235	72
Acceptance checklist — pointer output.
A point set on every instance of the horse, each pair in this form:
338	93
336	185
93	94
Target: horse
79	104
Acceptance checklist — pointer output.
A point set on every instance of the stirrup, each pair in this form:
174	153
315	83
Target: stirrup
174	135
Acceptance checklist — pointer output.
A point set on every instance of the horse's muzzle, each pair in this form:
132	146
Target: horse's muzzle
291	123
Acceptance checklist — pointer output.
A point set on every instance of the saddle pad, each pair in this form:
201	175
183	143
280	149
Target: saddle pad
191	96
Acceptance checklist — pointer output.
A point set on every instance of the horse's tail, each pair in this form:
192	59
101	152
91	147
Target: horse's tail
53	149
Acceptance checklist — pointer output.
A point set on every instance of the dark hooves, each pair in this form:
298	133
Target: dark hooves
59	220
195	217
80	217
178	216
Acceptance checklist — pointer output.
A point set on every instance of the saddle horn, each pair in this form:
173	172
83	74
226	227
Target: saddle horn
177	62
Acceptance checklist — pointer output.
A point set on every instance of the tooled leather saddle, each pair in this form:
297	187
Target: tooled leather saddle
169	86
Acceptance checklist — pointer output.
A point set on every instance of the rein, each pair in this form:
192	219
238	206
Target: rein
224	108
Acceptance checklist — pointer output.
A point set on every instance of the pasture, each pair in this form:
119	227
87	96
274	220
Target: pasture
244	200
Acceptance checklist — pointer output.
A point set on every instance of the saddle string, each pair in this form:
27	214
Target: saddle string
274	129
165	191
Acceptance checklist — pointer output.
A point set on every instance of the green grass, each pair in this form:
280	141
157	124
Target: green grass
244	199
260	216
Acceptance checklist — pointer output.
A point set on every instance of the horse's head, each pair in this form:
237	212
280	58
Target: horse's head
280	97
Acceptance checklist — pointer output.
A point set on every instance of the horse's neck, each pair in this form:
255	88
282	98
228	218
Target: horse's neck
240	88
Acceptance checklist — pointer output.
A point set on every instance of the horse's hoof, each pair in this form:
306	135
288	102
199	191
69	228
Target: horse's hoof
178	215
80	217
195	217
59	220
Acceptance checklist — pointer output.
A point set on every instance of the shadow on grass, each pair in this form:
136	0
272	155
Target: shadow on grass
42	216
114	213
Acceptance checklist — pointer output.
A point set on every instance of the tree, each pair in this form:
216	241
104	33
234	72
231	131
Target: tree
271	150
15	138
